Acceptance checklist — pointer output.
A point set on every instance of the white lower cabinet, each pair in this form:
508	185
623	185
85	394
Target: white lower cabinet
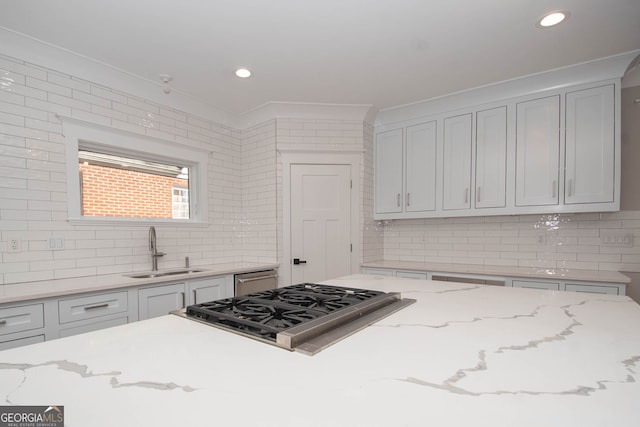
210	289
594	289
19	342
411	274
21	325
160	300
516	282
46	319
79	314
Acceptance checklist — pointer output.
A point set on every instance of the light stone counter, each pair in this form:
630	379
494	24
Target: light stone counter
76	285
498	270
463	355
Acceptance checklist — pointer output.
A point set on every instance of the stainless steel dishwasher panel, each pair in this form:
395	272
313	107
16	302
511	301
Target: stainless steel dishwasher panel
248	283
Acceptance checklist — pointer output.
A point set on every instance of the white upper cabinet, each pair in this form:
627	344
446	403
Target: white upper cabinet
388	171
421	165
590	148
491	158
537	151
457	163
551	151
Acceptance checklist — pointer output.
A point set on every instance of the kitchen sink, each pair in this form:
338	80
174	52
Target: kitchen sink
152	274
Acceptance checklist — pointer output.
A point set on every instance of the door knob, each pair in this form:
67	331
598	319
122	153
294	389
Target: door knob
297	261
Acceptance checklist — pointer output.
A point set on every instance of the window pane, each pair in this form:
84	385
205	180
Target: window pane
119	186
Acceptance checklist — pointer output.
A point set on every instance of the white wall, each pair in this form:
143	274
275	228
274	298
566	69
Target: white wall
33	195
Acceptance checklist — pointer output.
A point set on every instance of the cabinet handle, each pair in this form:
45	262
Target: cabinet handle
554	184
466	195
3	322
408	199
478	194
195	296
398	199
570	186
95	307
183	299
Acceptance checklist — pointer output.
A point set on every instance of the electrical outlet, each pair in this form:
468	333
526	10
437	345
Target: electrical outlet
56	243
14	245
614	238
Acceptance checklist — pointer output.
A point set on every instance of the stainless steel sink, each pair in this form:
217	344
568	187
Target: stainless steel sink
152	274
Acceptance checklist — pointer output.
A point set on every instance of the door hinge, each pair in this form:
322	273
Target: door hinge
350	183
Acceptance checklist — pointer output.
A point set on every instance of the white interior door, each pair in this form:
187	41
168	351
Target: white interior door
320	222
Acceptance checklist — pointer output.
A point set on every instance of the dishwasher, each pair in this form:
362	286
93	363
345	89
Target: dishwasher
256	281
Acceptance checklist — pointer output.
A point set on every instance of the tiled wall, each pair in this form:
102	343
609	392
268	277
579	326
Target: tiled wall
259	197
33	199
372	231
334	136
542	241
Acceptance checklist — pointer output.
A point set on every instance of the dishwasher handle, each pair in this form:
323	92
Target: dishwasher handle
253	279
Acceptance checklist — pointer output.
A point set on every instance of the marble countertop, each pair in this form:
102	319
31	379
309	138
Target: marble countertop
498	270
58	287
461	355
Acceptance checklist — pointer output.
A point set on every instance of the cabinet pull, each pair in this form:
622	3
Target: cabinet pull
94	307
398	199
408	199
478	194
554	184
195	296
466	195
570	186
183	300
3	322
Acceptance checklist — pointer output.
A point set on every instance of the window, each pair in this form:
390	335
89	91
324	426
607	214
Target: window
128	177
180	202
118	186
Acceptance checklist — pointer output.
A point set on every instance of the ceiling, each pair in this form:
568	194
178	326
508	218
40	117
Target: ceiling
379	52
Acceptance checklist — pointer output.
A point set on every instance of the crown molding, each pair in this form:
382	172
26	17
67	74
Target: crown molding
586	72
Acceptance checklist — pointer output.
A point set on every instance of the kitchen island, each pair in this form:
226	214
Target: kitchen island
461	355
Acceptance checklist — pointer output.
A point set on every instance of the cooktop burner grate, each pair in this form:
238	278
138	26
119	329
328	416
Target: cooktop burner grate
290	315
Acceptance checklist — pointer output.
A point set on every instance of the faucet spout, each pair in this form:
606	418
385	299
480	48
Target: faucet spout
153	248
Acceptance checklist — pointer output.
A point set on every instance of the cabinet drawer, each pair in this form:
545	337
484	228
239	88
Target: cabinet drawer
24	318
593	289
93	326
6	345
74	309
378	272
553	286
411	275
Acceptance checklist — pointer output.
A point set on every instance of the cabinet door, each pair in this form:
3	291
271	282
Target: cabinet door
491	158
457	163
388	173
590	146
420	168
211	289
160	300
537	151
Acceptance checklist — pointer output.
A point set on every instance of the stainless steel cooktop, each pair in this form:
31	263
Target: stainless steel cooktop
307	317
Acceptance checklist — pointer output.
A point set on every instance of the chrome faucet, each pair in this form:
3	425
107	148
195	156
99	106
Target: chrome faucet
153	247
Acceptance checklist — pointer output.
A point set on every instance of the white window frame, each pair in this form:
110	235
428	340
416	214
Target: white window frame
117	141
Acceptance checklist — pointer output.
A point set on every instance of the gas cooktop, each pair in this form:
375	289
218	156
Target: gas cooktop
307	317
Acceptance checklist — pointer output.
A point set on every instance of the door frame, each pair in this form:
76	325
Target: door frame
289	158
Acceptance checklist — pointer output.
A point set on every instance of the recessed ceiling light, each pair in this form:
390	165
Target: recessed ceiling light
243	73
552	18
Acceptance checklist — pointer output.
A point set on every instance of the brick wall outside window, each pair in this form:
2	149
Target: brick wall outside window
122	193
